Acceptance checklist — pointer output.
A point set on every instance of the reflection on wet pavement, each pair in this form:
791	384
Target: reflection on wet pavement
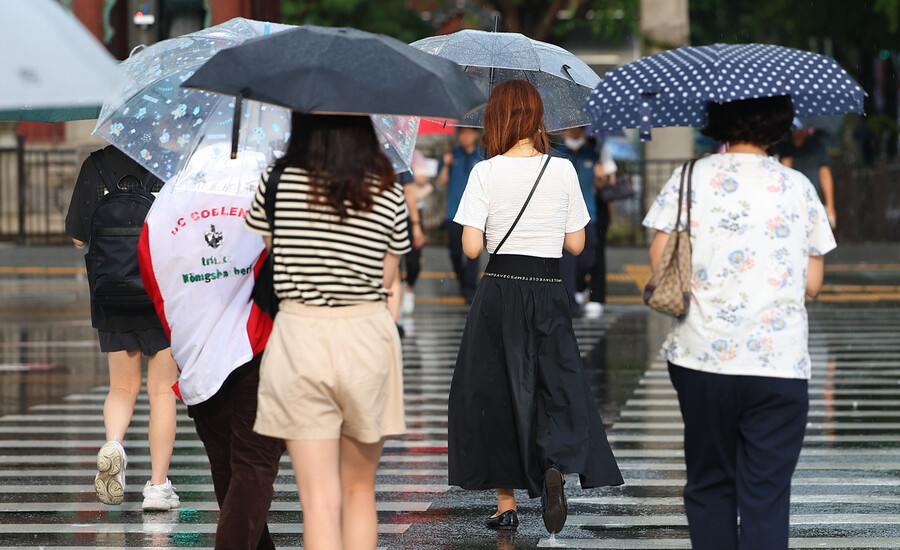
846	489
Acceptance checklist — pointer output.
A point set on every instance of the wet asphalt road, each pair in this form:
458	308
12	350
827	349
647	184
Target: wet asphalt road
846	490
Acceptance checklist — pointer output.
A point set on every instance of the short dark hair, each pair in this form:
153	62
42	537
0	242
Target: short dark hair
761	121
342	156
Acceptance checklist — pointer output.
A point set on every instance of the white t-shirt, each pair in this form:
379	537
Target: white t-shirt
496	191
754	225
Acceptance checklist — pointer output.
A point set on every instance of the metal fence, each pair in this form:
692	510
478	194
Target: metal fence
36	186
35	189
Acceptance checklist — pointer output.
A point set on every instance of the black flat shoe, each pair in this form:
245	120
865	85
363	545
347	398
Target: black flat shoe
553	501
507	521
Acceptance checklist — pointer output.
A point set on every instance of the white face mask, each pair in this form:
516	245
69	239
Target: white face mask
574	143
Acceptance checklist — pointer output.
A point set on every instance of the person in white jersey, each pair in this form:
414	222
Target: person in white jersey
739	358
521	413
331	381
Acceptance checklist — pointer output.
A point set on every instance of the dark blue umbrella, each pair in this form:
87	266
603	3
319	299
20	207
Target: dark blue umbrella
672	88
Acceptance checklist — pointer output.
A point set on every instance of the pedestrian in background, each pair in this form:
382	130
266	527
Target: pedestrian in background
585	157
806	153
397	299
331	378
739	359
453	174
521	412
127	332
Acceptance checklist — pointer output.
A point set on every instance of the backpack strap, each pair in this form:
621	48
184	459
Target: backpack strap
106	174
271	187
522	211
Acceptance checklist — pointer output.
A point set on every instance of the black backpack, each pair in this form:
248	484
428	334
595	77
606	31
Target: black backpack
112	259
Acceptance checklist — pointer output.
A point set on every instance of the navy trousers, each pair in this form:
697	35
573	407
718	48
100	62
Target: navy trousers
466	269
742	439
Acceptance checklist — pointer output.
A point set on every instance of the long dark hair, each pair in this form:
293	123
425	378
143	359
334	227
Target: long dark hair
514	111
341	155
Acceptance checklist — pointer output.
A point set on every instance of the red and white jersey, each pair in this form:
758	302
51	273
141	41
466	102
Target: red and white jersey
199	263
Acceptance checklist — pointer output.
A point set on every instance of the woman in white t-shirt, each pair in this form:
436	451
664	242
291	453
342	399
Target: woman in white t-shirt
521	412
739	358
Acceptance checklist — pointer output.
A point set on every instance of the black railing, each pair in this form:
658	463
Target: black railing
35	189
36	186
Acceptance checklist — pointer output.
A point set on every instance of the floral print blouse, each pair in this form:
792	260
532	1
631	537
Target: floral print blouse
754	225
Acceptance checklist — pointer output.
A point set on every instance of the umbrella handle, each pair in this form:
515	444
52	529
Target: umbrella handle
236	123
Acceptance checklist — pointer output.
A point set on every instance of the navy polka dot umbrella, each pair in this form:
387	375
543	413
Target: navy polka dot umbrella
672	88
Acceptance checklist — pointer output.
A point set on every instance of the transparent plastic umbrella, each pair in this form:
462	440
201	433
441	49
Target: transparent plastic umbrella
160	124
563	80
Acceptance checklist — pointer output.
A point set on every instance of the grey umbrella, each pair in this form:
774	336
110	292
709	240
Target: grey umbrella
314	69
563	80
51	67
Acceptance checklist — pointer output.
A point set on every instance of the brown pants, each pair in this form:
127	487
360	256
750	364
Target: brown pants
244	464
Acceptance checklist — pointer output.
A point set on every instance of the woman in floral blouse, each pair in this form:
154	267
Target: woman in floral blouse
739	359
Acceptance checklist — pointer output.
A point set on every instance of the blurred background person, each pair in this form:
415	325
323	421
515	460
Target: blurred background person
593	175
397	298
453	175
806	153
331	382
423	169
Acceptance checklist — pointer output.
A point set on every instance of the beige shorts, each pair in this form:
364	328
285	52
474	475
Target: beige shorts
331	371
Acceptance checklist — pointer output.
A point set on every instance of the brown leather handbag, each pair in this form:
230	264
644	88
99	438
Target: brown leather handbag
669	288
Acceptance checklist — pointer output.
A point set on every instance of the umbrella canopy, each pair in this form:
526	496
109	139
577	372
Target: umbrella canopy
161	125
340	71
672	88
51	67
563	80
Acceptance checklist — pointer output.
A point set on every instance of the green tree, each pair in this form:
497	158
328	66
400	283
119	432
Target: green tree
550	21
855	32
390	17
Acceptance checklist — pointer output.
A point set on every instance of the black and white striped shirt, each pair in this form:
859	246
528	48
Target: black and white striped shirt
321	260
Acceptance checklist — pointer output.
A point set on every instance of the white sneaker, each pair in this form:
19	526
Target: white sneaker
110	479
409	303
160	498
582	297
593	310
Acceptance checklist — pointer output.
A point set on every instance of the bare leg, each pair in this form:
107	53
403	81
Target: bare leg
161	375
124	387
317	470
505	501
359	461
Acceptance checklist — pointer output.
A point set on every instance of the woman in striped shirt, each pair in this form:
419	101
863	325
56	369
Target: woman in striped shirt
331	377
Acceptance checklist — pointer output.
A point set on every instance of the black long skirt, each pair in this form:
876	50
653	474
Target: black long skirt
519	400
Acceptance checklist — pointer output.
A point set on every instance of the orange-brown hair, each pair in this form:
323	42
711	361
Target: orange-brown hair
514	111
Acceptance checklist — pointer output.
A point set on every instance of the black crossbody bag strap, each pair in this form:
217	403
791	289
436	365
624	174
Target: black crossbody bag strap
106	174
522	211
271	187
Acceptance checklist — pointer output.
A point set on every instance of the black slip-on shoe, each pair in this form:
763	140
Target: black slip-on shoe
506	521
553	501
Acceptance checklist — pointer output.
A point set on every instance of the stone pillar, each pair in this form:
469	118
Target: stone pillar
665	26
